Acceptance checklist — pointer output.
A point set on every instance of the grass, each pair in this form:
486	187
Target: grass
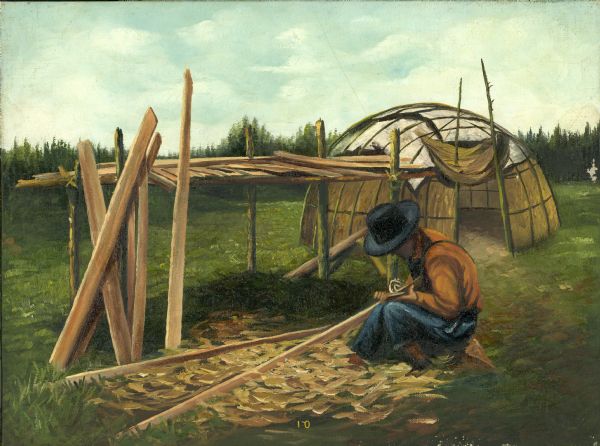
541	323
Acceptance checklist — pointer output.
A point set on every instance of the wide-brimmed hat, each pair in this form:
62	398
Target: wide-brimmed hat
390	225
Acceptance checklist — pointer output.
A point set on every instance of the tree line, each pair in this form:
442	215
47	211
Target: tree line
563	155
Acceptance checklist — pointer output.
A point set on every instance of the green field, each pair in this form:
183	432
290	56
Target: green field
540	325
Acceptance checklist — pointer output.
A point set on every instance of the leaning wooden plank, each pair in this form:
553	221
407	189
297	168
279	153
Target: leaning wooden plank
63	350
130	256
311	266
180	211
111	290
253	373
190	355
141	268
163	182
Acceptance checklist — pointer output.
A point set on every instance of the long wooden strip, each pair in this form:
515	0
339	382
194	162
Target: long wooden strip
334	162
180	211
63	350
256	372
190	355
163	182
308	170
311	265
196	162
141	267
131	255
111	289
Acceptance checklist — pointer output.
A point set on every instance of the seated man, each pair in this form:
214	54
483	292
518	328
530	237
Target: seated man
440	306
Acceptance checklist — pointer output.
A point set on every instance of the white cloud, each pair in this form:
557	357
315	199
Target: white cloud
287	67
292	37
204	31
125	41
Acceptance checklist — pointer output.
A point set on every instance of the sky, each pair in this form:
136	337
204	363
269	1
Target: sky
78	70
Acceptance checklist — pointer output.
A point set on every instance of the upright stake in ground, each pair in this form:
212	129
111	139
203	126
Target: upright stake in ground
73	194
322	218
141	270
122	241
392	260
499	174
251	207
180	211
457	184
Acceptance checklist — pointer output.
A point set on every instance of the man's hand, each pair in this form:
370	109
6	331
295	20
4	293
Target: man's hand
407	295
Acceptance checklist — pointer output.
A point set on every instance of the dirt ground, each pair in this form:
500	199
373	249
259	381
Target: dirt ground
481	234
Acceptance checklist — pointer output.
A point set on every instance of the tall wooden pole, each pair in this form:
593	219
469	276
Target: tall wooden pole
73	195
105	246
180	211
499	173
392	260
251	207
122	241
457	184
322	218
141	270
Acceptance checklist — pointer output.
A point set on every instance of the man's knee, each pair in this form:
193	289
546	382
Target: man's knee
395	310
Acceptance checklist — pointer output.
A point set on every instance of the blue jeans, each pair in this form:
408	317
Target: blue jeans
393	324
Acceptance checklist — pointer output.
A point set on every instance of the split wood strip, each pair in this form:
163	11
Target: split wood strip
211	161
334	162
141	267
254	173
107	238
284	179
160	180
191	355
253	373
362	173
320	172
229	171
208	172
111	288
131	257
336	251
170	173
180	212
383	159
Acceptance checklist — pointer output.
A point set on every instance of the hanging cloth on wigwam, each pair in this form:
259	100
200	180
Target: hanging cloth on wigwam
475	159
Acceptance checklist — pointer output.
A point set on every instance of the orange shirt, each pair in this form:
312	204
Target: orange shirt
451	283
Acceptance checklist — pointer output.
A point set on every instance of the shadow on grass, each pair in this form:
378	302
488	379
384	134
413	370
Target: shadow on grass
306	302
